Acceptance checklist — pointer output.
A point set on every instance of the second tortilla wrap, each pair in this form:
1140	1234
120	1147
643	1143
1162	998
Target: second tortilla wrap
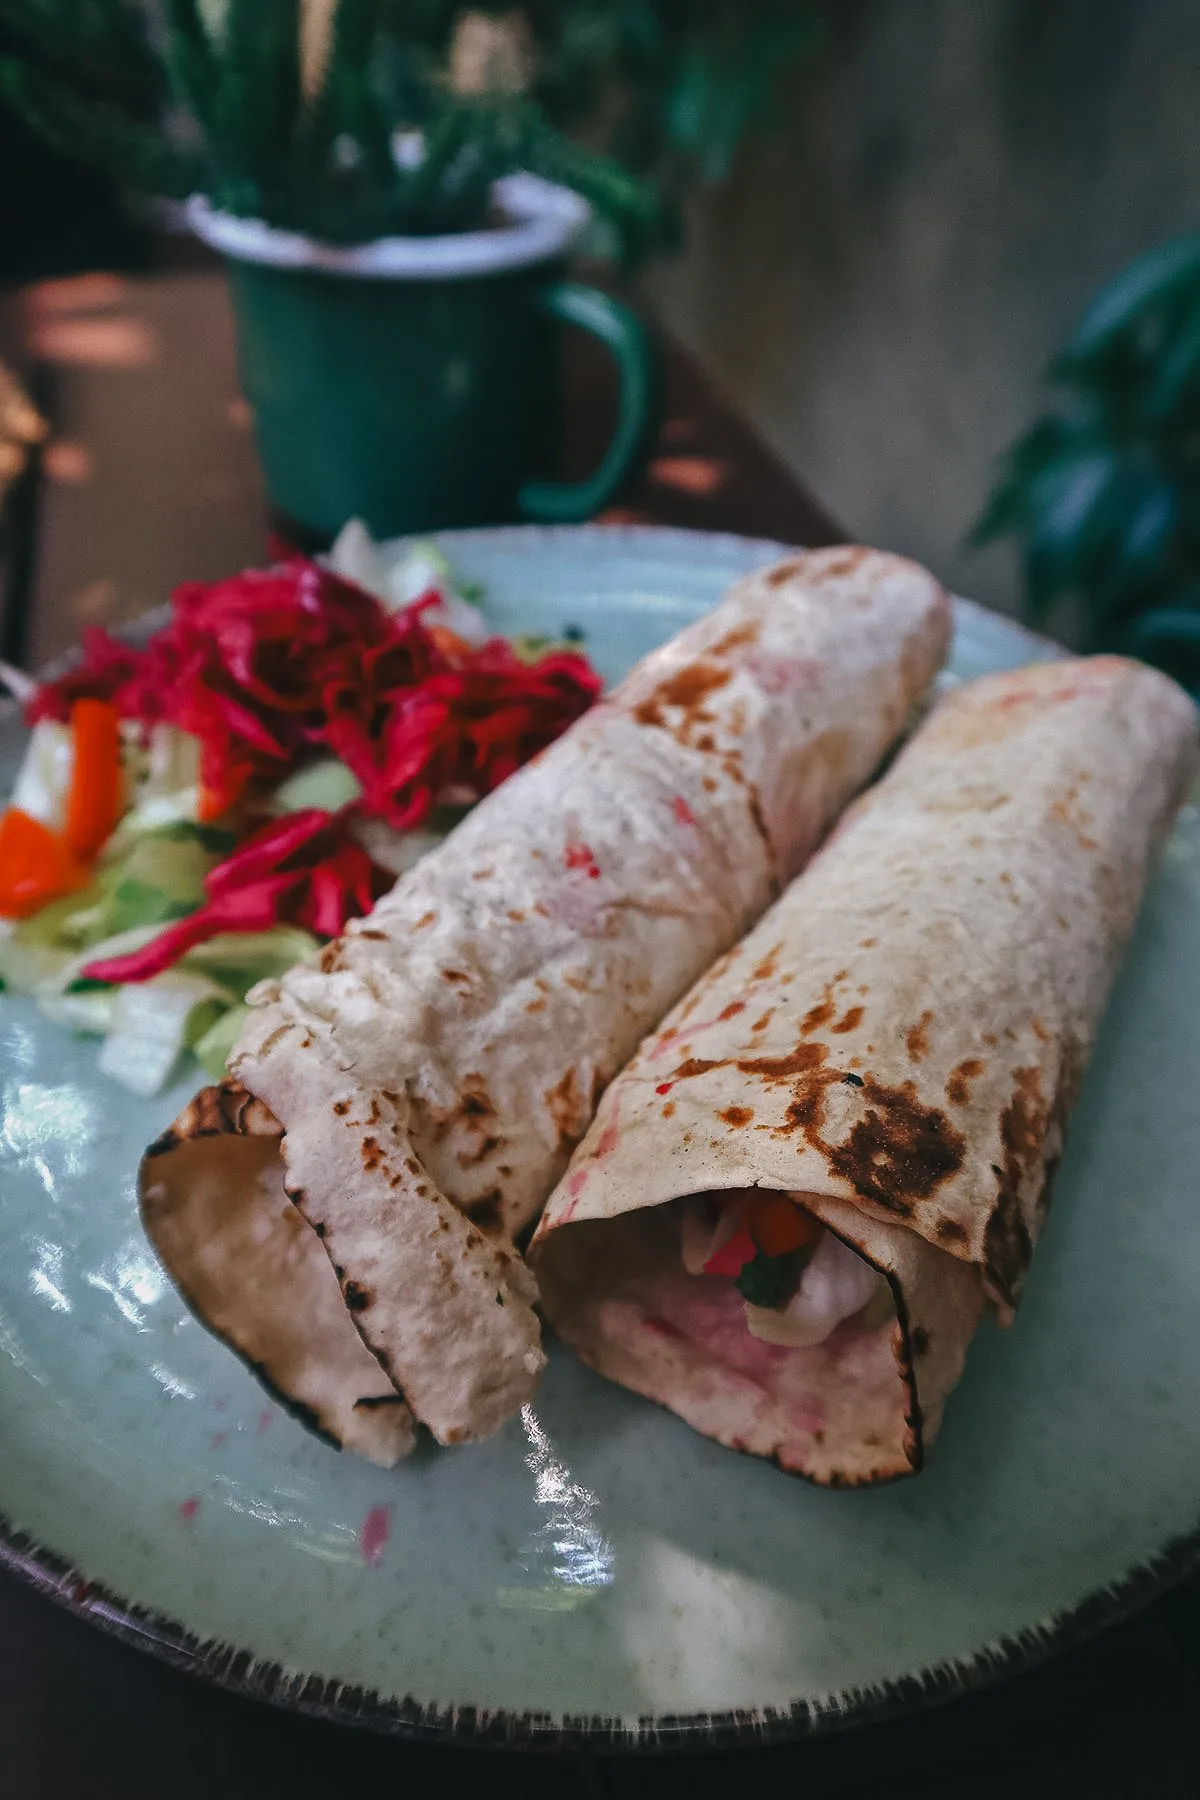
895	1047
428	1075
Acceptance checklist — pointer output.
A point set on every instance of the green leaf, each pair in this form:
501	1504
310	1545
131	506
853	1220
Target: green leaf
192	60
213	1046
1177	369
135	154
772	1280
214	838
1068	505
1144	532
1152	279
256	103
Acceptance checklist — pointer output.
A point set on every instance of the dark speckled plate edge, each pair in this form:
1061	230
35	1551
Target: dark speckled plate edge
323	1698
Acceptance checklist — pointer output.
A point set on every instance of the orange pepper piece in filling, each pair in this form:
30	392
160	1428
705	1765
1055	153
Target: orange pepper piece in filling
36	866
95	795
778	1225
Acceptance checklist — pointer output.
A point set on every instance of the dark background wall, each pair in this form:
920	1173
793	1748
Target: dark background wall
882	283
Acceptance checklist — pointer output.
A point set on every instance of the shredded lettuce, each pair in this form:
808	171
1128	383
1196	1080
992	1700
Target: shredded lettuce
240	959
213	1047
164	784
152	1023
328	784
400	578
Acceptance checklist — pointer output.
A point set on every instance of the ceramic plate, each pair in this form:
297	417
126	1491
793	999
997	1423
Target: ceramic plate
597	1573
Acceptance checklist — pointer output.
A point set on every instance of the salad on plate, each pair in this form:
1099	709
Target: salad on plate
198	812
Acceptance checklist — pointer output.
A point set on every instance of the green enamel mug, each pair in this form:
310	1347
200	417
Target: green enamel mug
414	382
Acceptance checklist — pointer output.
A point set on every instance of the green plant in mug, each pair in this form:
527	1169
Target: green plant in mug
354	119
1104	492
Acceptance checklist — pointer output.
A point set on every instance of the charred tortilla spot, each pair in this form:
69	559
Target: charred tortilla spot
1006	1245
849	1021
516	914
899	1151
486	1147
458	976
916	1038
803	1060
739	638
761	1024
844	563
757	816
372	1153
950	1231
783	572
709	784
424	920
683	691
958	1086
330	960
297	1408
1023	1126
695	1065
668	1109
731	1011
357	1298
564	1103
318	1226
226	1110
819	1015
486	1211
483	874
736	1115
372	937
341	1108
852	1080
768	965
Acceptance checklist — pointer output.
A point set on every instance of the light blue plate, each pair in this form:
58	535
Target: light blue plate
598	1572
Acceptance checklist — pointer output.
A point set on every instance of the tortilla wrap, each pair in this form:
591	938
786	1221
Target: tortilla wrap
434	1068
897	1046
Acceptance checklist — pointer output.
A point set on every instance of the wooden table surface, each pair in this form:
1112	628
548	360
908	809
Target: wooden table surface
149	478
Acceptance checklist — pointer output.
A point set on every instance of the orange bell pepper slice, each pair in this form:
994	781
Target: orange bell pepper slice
36	866
778	1225
95	797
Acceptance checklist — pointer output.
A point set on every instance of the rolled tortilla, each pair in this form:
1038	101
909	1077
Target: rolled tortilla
433	1069
897	1046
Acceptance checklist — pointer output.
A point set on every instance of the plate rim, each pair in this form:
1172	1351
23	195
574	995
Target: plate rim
238	1671
503	1729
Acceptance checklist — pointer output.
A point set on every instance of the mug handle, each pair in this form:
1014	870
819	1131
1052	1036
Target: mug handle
622	332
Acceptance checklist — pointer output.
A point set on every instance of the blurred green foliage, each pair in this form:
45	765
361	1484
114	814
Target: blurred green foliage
1104	492
420	105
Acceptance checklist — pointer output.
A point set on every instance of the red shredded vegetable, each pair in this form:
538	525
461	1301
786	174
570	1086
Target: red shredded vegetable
273	665
306	869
